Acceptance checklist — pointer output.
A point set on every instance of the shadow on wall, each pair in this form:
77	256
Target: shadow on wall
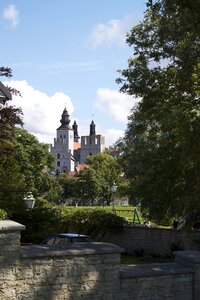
74	272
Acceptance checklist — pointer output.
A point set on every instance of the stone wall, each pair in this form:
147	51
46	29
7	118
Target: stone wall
89	271
156	282
152	241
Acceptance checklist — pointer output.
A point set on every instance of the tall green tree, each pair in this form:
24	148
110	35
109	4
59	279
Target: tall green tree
97	180
51	189
12	185
69	186
162	142
10	116
23	170
33	158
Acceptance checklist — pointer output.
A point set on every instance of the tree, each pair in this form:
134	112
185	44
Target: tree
165	73
97	180
10	116
69	186
11	180
23	170
12	185
33	158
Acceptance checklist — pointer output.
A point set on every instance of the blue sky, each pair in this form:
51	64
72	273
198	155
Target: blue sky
68	53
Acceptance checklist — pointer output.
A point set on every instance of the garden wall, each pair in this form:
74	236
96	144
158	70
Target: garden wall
89	271
152	241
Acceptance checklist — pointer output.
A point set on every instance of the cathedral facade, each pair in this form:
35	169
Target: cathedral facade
68	150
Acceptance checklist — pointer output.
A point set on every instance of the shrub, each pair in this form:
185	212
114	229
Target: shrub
87	220
46	219
3	214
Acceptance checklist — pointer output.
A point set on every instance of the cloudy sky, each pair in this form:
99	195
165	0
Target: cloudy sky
67	53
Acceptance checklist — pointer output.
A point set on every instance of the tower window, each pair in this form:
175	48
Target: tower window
58	164
58	156
61	136
64	136
90	153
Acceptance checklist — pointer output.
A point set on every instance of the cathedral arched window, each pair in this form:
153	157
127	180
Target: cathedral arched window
58	164
58	156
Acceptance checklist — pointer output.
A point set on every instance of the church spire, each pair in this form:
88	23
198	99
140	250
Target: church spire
92	128
64	120
75	128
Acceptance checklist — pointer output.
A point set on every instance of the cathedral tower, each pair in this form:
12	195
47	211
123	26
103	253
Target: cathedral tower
92	144
64	145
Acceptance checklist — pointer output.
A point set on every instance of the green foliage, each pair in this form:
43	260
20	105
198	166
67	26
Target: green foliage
12	185
46	219
90	221
10	117
69	185
22	170
51	189
3	214
98	179
161	144
32	157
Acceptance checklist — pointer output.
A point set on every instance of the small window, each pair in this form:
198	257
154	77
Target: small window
58	156
61	136
64	136
58	164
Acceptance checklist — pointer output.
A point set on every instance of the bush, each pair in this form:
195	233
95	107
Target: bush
46	219
3	214
87	220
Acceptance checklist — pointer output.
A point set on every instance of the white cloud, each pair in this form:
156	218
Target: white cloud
41	111
112	135
114	32
114	103
11	14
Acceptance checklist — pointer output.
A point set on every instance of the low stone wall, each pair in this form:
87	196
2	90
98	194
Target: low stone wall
152	241
156	282
89	271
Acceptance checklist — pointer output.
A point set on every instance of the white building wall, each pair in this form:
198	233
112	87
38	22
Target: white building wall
63	150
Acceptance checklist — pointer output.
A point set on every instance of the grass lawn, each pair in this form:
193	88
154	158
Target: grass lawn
122	211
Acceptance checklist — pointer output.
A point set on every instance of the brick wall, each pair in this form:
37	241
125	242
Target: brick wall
151	241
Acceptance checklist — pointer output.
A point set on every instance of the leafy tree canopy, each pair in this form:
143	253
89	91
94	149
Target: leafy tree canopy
33	158
98	179
23	170
161	144
10	116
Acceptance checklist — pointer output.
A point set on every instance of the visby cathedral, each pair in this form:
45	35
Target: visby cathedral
69	149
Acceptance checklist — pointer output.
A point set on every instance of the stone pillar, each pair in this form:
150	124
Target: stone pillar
10	233
191	259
